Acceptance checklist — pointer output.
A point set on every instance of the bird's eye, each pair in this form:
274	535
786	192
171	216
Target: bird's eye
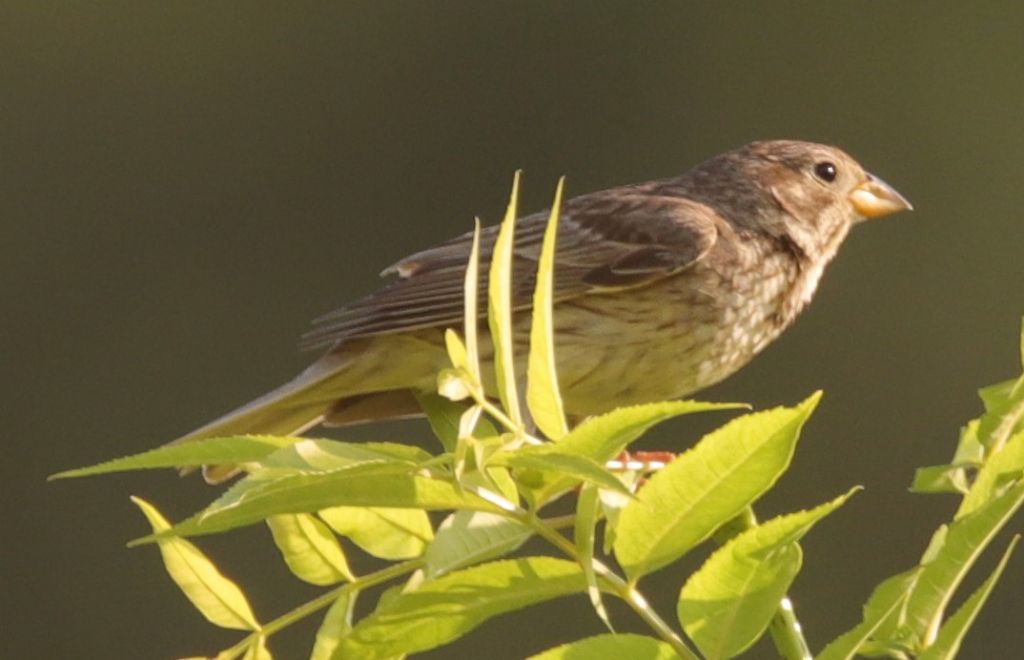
826	171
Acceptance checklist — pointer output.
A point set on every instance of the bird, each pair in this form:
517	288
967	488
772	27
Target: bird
660	289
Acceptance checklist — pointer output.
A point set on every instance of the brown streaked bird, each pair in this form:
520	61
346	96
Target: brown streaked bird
661	289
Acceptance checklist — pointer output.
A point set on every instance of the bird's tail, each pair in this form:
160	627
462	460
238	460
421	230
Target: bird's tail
323	390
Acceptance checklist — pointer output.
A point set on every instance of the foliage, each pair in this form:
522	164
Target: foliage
493	479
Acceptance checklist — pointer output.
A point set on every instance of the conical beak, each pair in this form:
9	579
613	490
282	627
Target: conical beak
875	198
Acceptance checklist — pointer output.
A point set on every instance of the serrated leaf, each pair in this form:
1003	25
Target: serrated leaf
603	437
543	397
236	449
584	530
336	624
319	455
382	532
1004	464
309	548
499	308
216	597
611	647
965	541
1004	412
447	608
947	643
470	537
564	466
883	606
306	493
728	603
940	479
682	504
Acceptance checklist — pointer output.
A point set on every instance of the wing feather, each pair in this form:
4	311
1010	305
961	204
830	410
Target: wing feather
607	241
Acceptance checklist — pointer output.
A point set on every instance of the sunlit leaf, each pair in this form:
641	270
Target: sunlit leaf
236	449
443	610
951	635
215	596
585	527
470	537
603	437
305	493
313	455
499	306
542	394
727	604
883	609
548	458
382	532
611	647
1005	464
336	624
965	541
309	548
471	308
940	479
457	353
683	503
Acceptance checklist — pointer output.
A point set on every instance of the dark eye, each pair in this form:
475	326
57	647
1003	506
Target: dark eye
826	171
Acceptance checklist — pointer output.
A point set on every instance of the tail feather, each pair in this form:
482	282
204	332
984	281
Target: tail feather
351	373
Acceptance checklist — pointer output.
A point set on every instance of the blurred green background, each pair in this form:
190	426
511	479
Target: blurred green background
184	185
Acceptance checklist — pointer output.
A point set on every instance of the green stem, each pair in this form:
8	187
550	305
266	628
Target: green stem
320	602
617	586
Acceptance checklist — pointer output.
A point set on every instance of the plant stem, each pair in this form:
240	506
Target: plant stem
617	586
320	602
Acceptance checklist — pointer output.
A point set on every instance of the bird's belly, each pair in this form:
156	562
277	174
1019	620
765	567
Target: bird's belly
664	341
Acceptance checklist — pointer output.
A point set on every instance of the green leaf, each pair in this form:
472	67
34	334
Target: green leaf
543	397
470	537
587	510
947	643
457	353
883	609
727	604
611	647
309	548
940	479
384	533
548	458
216	597
444	417
965	541
447	608
337	623
1004	412
306	493
683	503
993	474
319	455
603	437
499	308
214	451
471	307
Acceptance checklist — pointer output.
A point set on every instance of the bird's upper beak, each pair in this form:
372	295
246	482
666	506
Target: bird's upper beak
875	198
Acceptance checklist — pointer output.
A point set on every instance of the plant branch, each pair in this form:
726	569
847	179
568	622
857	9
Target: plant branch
320	602
617	586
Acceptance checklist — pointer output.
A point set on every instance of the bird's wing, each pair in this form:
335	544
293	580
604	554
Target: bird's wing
606	241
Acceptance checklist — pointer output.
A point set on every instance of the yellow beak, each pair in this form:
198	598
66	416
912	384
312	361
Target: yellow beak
875	198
